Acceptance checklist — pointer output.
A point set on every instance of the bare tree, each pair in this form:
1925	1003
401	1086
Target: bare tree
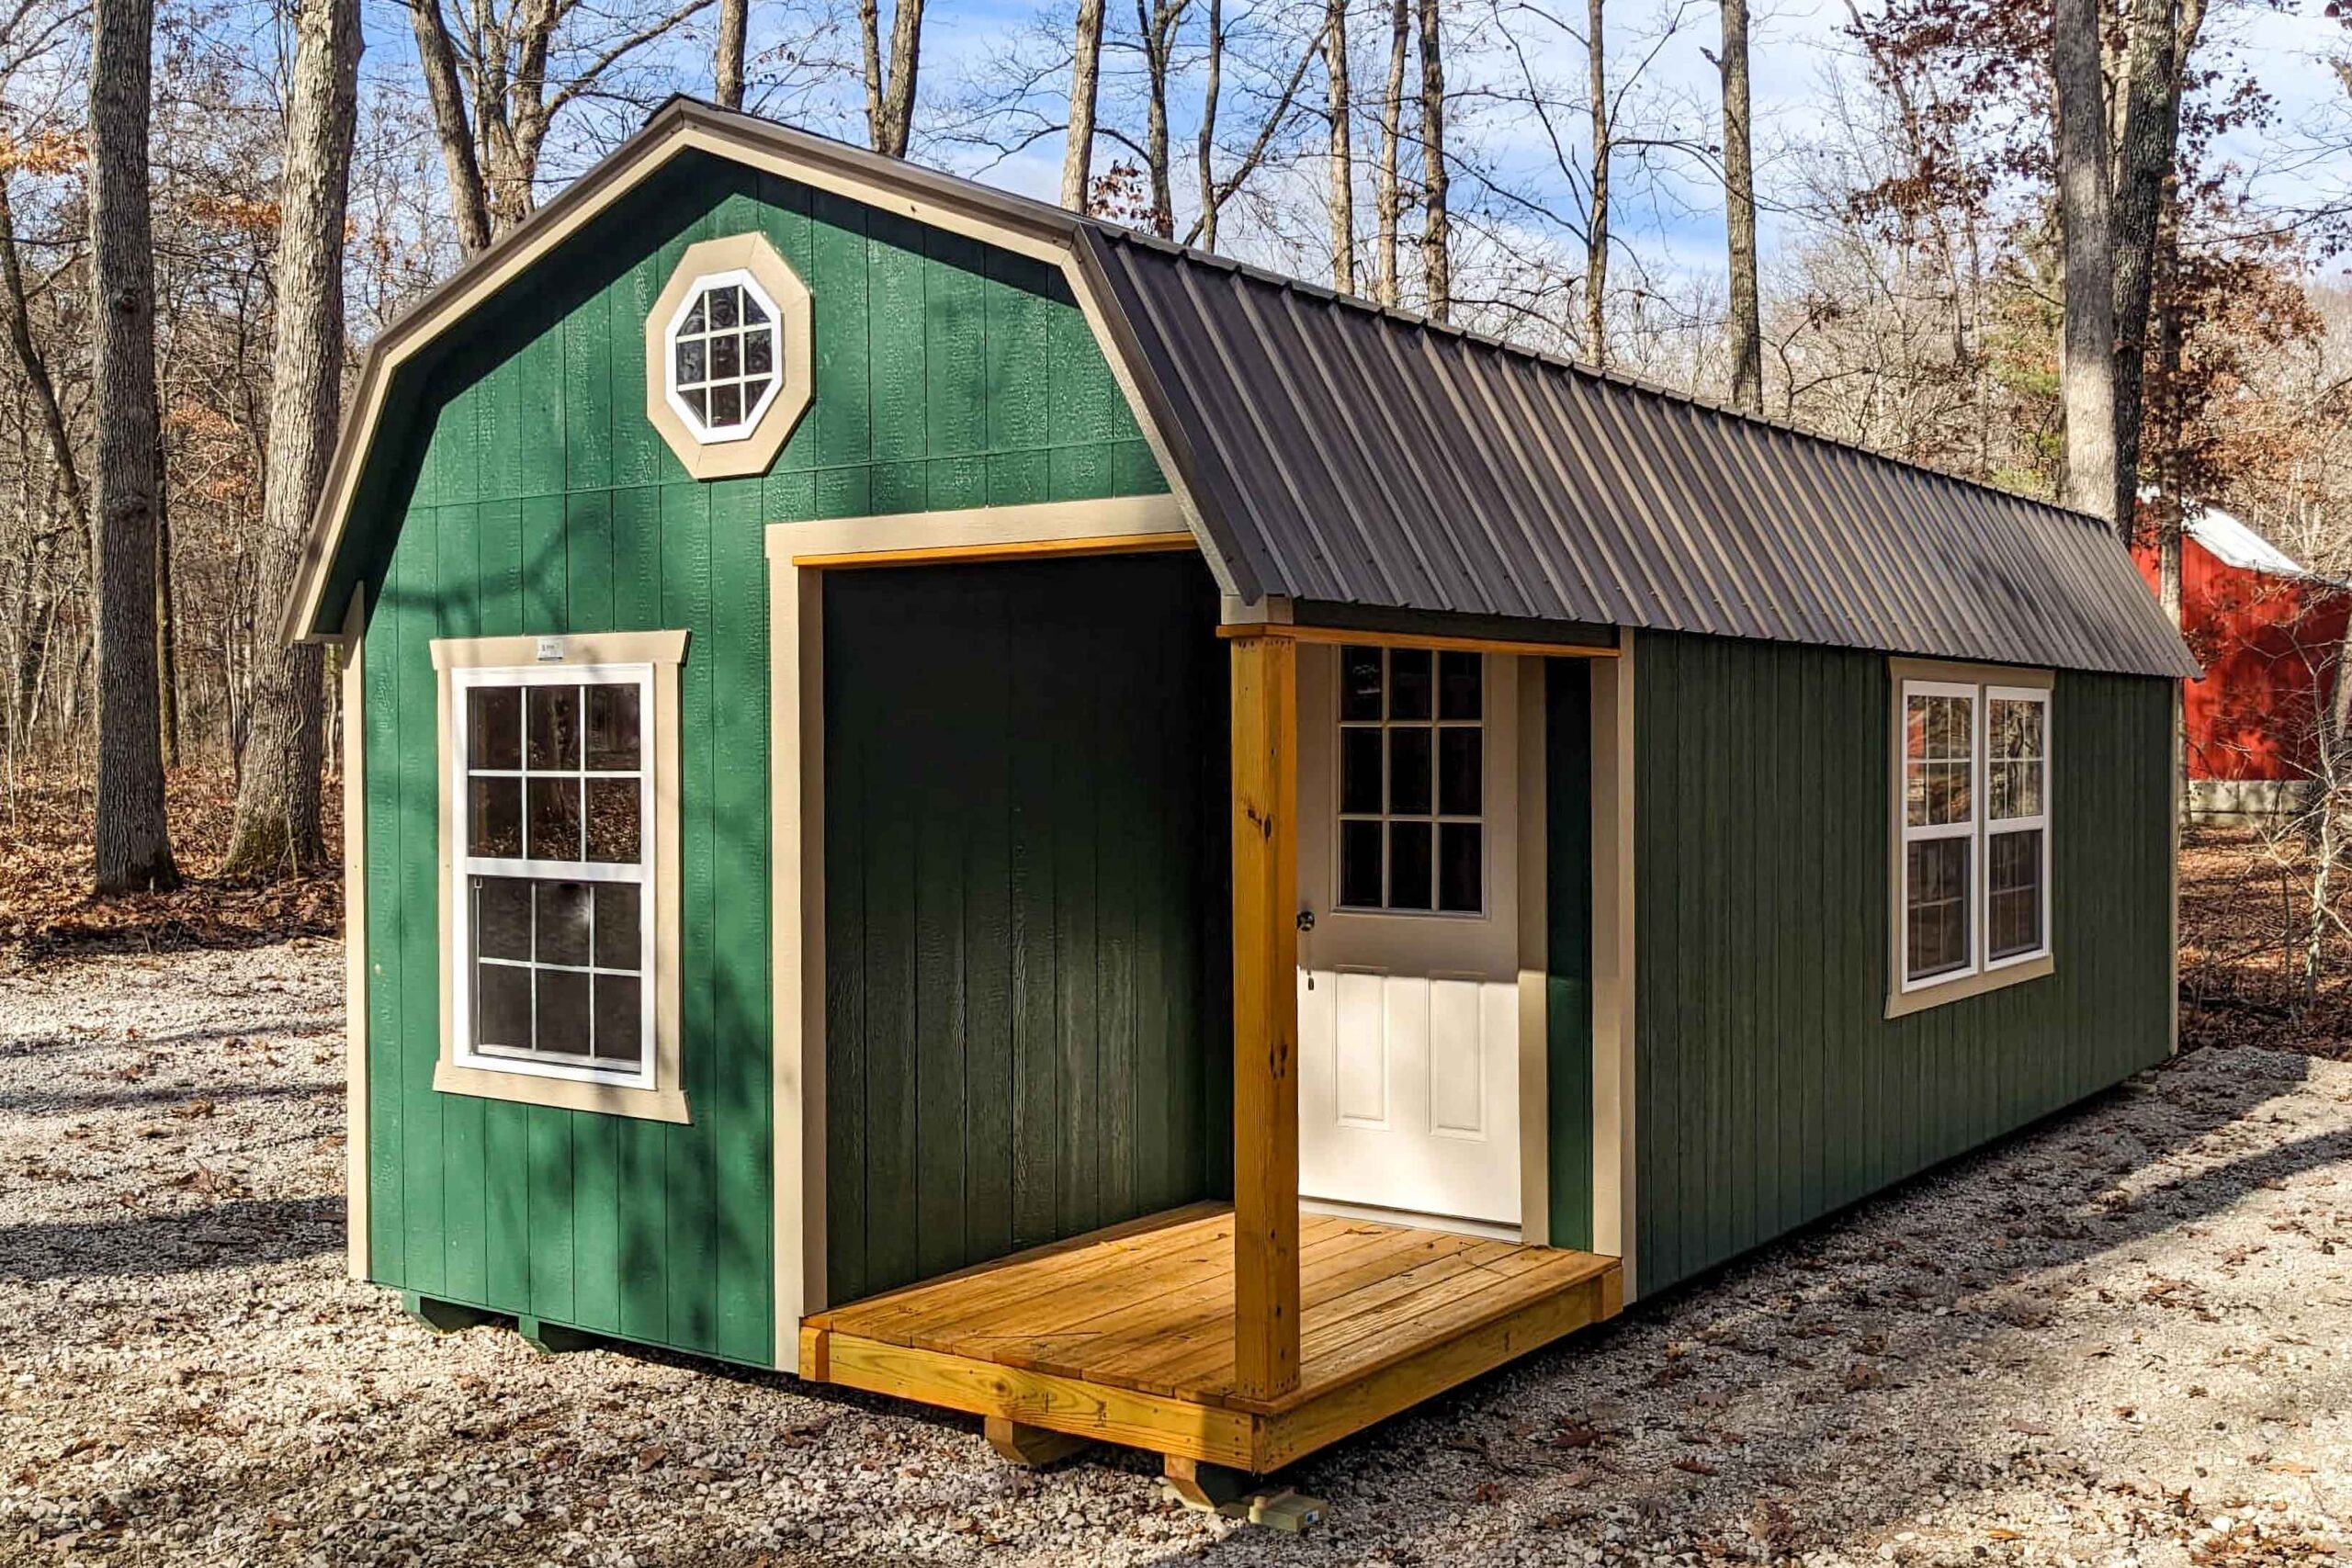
1739	213
1085	78
2163	32
1339	108
132	840
1437	225
1204	146
276	825
1156	24
498	79
2086	364
1388	194
734	21
890	85
1596	238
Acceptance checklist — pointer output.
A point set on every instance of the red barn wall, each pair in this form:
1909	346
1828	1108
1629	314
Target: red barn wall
2268	645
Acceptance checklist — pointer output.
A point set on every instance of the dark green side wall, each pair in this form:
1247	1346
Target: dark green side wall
1026	893
1772	1089
531	496
1567	891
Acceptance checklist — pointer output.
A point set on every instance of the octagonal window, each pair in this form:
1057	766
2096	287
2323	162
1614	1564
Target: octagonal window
722	355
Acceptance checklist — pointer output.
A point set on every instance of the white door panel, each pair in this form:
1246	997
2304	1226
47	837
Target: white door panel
1408	1021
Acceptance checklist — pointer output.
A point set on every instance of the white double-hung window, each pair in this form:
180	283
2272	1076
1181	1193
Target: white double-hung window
1972	841
557	835
559	844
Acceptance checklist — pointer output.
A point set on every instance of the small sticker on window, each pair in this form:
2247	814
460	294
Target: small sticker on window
551	650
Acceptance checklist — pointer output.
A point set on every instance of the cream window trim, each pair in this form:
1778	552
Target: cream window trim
1980	685
750	447
661	1097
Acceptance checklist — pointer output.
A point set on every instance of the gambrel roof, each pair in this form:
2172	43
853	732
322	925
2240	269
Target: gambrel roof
1346	457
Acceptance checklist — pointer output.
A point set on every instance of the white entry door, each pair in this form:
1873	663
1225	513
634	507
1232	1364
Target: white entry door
1408	998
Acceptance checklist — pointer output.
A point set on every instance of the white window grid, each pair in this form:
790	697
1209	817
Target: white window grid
1433	817
2038	820
704	430
465	866
1923	832
1978	827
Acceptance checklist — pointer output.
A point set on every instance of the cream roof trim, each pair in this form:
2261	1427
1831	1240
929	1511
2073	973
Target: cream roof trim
1015	223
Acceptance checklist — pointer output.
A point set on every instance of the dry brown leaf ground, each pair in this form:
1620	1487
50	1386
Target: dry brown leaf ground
47	908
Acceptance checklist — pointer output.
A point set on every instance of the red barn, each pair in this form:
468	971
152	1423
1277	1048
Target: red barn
2268	632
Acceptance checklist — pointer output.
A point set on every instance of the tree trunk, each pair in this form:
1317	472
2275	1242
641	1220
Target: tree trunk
2153	62
1596	234
1085	74
890	85
734	21
277	827
1390	198
1739	216
167	660
132	840
1205	149
1343	163
2086	363
1437	224
35	368
1156	24
468	207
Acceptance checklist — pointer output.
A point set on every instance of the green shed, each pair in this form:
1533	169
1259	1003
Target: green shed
955	800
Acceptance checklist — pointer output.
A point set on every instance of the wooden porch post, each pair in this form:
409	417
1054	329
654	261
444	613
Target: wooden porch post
1265	1014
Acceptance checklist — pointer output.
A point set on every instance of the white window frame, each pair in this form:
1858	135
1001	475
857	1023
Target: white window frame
1982	686
703	432
1436	818
2039	821
465	866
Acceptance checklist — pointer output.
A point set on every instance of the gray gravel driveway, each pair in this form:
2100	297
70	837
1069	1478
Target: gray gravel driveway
2124	1338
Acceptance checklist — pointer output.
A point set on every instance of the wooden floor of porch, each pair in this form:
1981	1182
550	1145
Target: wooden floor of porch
1127	1336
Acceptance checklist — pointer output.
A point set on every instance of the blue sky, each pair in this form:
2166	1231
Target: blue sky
1673	220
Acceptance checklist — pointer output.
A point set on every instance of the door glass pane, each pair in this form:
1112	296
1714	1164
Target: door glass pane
555	727
1408	865
1408	682
564	922
1360	864
495	816
1408	772
1460	774
1359	684
1460	676
1460	864
493	727
1359	771
1936	912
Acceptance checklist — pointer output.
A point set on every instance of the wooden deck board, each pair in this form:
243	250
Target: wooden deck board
1128	1336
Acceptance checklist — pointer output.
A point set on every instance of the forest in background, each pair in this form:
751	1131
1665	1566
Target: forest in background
207	209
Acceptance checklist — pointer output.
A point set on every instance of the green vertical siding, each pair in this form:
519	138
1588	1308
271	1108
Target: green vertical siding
535	497
1567	999
1771	1088
1026	1030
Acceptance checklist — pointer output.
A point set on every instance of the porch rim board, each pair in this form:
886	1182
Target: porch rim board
1371	1346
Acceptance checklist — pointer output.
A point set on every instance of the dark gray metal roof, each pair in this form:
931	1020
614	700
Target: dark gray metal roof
1343	454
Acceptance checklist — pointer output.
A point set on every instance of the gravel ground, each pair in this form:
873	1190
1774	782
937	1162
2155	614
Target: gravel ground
2125	1338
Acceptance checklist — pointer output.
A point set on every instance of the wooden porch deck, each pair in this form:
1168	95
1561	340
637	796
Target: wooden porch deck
1128	1336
